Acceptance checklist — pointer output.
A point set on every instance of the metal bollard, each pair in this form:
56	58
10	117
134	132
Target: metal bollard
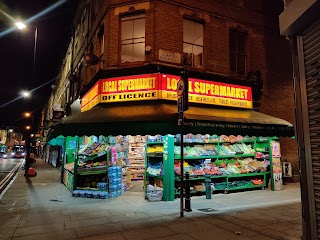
207	182
188	195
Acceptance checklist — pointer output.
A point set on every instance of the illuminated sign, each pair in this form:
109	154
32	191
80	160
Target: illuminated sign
162	86
91	98
208	92
134	88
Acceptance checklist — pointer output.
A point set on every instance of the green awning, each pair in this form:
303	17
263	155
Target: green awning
162	118
58	141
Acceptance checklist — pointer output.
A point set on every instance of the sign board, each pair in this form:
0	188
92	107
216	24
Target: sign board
208	92
132	88
91	98
180	104
180	88
168	56
162	86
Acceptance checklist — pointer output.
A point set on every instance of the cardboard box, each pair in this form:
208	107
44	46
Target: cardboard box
158	182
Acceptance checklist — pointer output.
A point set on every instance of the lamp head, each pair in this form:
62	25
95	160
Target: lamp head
20	25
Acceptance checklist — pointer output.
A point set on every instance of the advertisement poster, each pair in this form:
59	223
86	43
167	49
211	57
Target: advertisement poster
276	166
68	180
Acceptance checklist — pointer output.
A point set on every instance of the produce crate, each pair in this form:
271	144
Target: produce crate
219	186
199	187
241	184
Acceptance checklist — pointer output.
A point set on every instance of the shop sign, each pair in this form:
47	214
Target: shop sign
91	98
208	92
168	56
133	88
161	86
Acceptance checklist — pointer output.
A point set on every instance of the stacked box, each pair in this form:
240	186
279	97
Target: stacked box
90	194
115	181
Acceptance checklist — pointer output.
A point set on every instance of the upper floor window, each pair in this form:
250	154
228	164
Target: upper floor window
101	39
133	39
193	43
238	52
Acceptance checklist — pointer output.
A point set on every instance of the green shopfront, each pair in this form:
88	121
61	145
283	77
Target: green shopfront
128	132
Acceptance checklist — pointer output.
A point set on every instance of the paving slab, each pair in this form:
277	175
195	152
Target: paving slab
148	233
42	208
58	235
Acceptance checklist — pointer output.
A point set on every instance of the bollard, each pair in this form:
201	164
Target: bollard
188	195
207	183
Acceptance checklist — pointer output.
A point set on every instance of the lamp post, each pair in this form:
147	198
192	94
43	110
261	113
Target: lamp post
21	26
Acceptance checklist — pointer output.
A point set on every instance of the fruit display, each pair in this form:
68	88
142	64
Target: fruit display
91	165
94	149
155	149
220	167
199	138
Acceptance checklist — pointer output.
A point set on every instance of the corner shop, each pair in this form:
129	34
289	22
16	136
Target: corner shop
143	105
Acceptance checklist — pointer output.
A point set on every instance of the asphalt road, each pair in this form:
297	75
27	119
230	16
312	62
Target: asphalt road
6	165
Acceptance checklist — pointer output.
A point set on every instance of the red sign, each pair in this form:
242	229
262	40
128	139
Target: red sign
163	86
208	92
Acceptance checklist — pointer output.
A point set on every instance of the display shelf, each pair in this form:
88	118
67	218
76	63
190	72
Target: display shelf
155	176
91	171
158	154
92	157
91	189
192	178
202	177
154	143
246	175
177	157
135	171
245	187
218	142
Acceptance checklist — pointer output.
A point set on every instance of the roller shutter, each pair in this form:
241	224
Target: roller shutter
311	48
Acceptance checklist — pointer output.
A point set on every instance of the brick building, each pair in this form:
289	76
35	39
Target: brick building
224	41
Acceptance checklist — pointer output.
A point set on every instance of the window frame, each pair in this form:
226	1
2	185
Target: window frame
236	53
194	21
131	17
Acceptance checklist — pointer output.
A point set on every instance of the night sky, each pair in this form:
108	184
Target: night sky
17	55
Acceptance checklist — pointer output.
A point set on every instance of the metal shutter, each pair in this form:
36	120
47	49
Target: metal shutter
311	48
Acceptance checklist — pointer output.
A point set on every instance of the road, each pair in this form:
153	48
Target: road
6	165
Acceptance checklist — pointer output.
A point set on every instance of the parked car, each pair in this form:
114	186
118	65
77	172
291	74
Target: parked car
3	155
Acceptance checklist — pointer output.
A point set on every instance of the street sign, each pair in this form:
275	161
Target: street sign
180	104
180	87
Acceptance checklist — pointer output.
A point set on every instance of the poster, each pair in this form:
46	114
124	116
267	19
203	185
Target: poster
276	166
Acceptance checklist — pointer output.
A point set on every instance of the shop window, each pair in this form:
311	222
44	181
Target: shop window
133	39
193	43
238	49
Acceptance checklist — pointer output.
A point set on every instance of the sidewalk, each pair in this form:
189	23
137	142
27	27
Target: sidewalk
42	208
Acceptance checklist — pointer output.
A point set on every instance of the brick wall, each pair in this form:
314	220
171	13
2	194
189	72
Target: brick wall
267	51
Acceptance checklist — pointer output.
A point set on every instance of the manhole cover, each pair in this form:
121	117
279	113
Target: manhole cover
207	210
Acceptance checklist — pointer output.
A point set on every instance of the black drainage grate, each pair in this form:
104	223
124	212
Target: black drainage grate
55	200
207	210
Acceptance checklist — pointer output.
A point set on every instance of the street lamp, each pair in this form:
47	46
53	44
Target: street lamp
20	25
27	114
28	127
25	94
32	79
